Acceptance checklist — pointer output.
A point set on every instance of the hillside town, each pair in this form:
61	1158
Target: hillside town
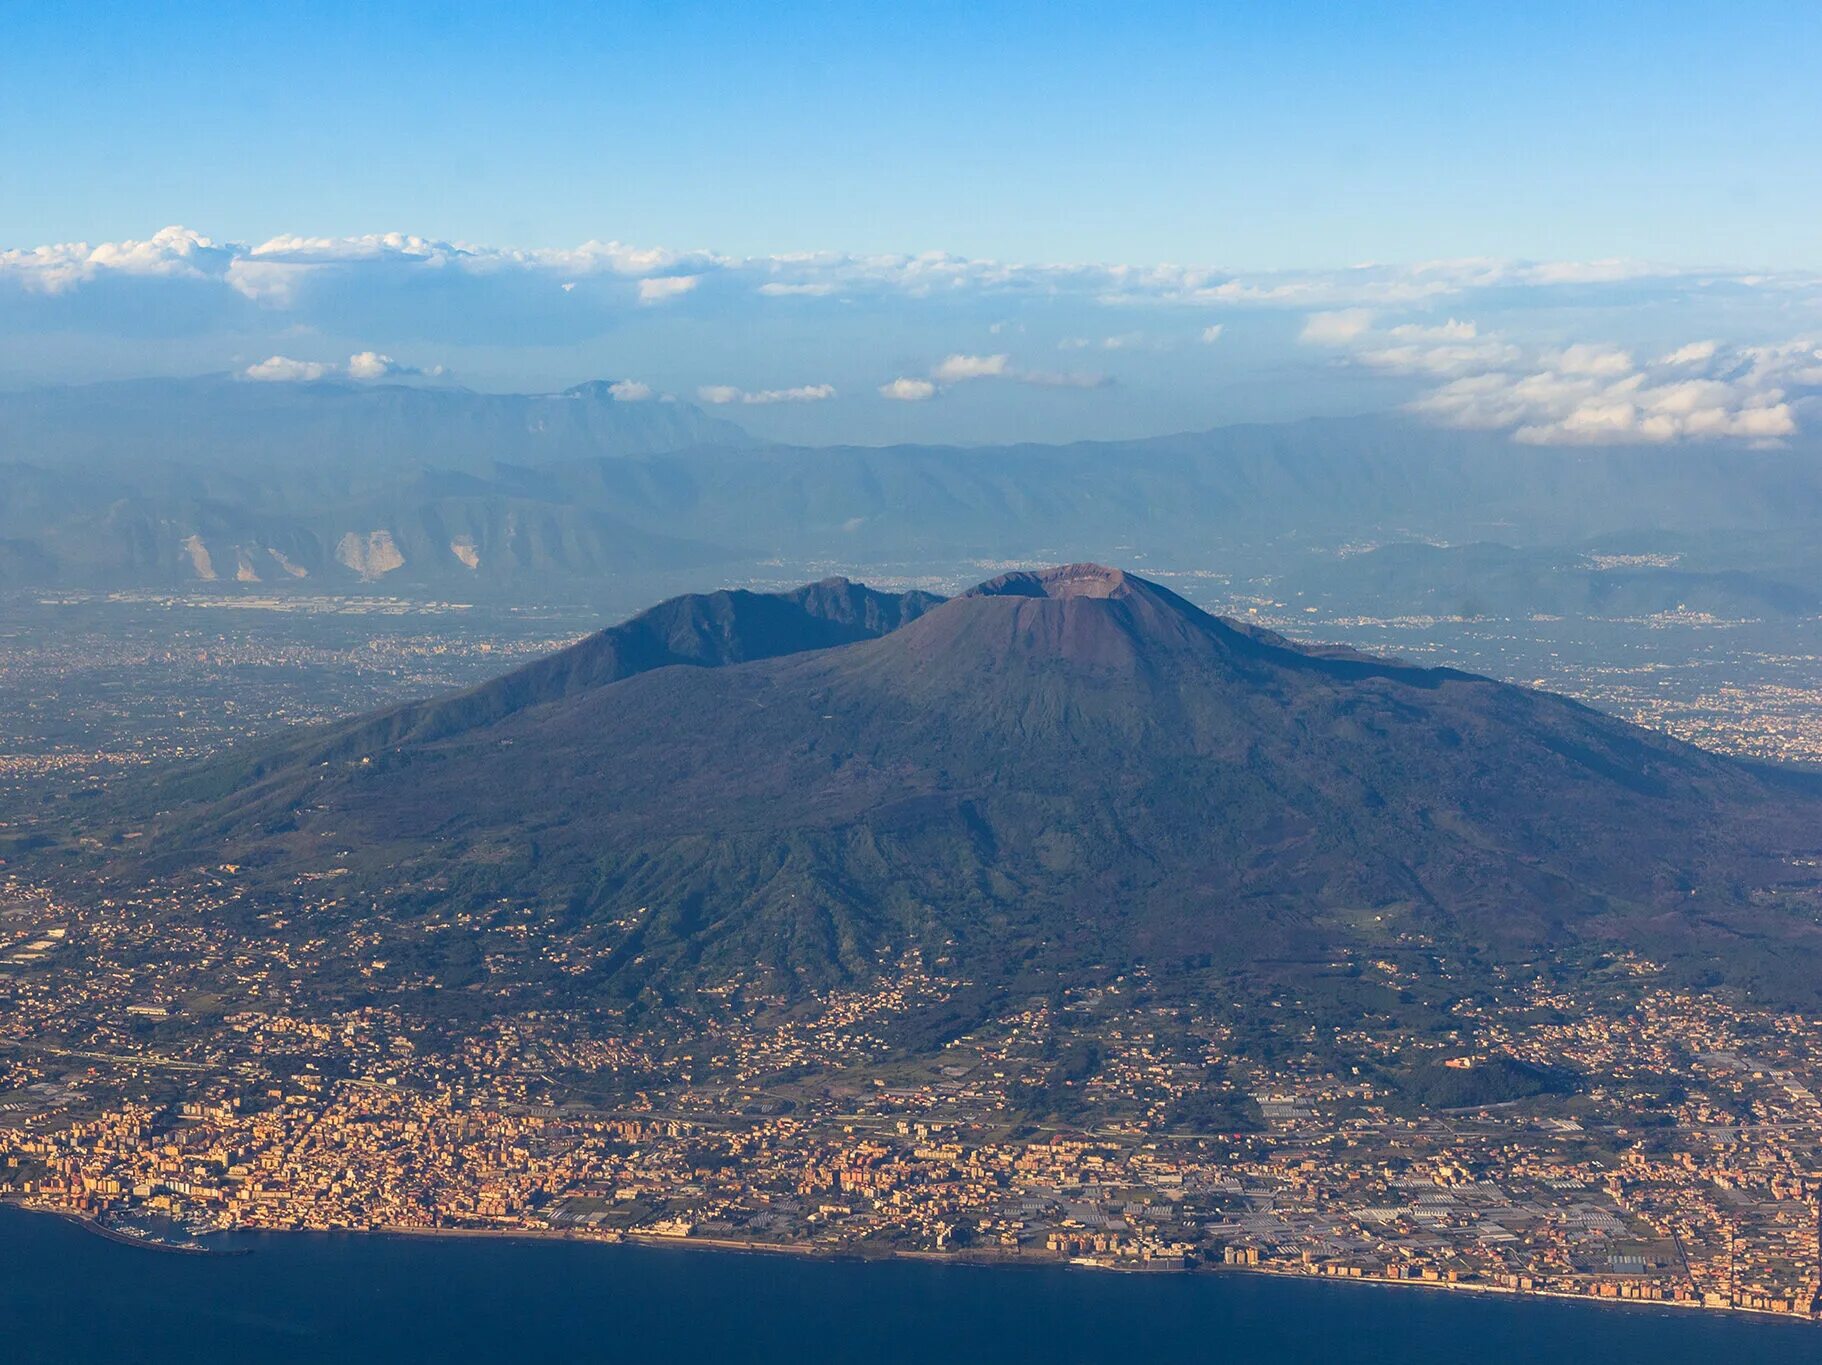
1621	1140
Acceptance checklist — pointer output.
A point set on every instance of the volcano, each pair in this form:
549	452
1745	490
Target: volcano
1057	768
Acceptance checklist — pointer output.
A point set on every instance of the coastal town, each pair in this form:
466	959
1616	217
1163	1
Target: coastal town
1619	1140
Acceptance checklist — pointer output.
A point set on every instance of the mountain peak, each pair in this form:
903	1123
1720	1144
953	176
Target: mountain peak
1086	615
1061	582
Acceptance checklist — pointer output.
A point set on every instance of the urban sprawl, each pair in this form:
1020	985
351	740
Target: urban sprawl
1684	1166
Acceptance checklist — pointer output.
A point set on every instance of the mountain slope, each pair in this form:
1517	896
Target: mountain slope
1054	770
705	630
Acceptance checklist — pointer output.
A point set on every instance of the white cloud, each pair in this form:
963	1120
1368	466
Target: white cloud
1061	379
275	272
366	366
375	286
273	283
1598	361
1385	319
908	390
1373	285
1610	271
1587	393
1336	328
630	391
1695	353
661	287
727	393
803	393
1633	410
961	369
1128	341
171	253
776	289
373	365
1450	348
1593	395
1452	330
283	369
956	368
1798	363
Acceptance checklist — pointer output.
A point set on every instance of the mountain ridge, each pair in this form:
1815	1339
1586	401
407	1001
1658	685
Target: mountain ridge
1064	770
489	506
708	630
223	420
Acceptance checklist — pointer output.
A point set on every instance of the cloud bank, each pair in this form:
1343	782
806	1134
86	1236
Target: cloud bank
803	393
1508	345
1585	393
958	368
908	390
367	366
282	369
282	271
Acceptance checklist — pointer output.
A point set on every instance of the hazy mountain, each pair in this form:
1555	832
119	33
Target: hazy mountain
333	486
433	531
1057	769
1486	579
1182	497
219	421
329	485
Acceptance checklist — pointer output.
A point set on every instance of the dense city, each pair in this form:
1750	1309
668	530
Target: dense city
1656	1146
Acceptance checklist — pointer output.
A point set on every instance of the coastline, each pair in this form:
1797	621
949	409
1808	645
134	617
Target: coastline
116	1235
984	1261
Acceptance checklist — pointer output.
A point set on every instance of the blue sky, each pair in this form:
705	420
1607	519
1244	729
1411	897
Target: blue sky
1236	135
1256	143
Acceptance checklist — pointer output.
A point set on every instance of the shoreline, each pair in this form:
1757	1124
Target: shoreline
808	1251
116	1235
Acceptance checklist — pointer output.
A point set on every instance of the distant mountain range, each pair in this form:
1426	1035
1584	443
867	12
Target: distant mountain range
249	427
1489	579
336	486
327	485
1058	770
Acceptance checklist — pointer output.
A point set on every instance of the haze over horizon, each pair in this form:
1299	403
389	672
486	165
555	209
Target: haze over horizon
953	225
